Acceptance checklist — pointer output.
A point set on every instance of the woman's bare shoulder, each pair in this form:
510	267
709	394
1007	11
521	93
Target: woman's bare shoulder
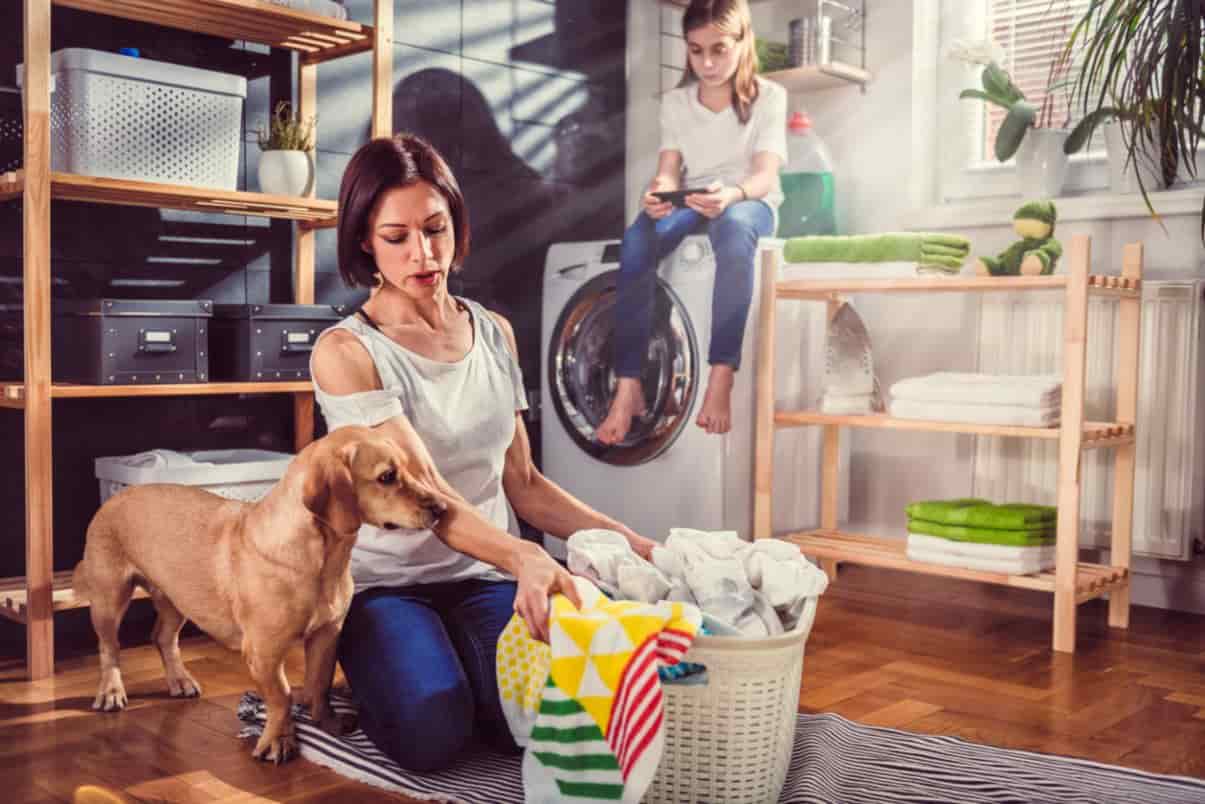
342	364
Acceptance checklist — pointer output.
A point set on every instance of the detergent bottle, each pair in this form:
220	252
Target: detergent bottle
807	183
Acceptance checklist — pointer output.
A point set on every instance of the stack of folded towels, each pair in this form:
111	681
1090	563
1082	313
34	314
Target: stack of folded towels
1013	538
1014	399
920	252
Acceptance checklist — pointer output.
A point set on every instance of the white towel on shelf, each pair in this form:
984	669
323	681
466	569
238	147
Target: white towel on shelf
1014	566
1042	553
1023	390
847	404
1014	415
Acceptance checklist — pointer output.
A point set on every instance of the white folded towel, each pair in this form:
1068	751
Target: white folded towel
1023	390
1042	553
975	413
1014	566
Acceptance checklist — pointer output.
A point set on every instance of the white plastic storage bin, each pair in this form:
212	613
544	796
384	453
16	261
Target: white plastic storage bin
123	117
237	474
730	739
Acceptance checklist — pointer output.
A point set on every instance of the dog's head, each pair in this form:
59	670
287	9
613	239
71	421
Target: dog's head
365	480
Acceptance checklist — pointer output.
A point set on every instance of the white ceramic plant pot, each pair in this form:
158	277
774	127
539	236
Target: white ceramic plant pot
286	173
1123	174
1041	163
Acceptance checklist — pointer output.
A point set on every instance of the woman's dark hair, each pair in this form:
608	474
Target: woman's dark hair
380	165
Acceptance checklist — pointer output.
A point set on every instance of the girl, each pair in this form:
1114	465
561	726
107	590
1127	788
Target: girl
722	128
439	375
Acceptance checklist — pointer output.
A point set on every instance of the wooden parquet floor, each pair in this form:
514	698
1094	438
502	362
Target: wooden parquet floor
906	651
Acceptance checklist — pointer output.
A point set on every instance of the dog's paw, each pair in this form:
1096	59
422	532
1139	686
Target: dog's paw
111	695
277	750
183	686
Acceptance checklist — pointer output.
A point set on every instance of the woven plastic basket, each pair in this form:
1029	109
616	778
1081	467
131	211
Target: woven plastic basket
729	740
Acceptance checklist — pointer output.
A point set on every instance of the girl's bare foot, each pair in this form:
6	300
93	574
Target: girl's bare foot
628	402
716	415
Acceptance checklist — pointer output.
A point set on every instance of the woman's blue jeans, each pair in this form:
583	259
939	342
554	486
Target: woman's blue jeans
420	661
734	236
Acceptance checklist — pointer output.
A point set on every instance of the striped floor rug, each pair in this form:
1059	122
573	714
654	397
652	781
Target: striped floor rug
835	761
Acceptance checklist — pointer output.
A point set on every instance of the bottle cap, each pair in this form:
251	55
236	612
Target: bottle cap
799	122
129	51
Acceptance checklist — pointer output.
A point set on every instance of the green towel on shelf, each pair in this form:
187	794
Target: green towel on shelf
962	533
924	248
982	513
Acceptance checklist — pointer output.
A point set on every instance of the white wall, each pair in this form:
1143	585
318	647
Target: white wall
870	137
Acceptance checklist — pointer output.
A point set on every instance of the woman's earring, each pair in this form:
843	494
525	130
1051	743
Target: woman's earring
378	281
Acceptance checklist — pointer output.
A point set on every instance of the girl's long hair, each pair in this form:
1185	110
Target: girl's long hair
732	18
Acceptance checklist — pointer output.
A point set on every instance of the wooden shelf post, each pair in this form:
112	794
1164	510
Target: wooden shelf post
1129	348
763	447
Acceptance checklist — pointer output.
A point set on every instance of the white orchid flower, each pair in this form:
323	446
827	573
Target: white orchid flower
971	51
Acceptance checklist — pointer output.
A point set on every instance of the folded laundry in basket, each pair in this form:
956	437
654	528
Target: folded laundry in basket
587	706
1012	566
923	248
1002	552
979	513
1038	535
975	413
1037	390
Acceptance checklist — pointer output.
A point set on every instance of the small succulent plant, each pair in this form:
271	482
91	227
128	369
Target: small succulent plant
286	131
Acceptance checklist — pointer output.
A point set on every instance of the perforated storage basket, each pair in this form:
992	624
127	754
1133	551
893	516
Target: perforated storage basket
730	740
132	118
236	474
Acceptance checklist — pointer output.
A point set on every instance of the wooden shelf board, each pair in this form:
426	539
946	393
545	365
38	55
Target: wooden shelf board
1095	433
823	288
315	37
14	393
71	187
1092	580
813	77
13	596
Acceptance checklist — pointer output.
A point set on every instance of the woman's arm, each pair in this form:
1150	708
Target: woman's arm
342	366
542	503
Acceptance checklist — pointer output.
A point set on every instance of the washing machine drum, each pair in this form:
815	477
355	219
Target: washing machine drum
582	379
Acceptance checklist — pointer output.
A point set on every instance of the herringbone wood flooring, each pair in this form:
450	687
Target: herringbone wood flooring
917	653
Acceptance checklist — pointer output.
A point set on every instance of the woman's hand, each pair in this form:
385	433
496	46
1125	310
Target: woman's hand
654	207
539	579
642	546
712	203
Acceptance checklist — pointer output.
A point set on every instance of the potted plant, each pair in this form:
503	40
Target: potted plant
286	166
1029	132
1141	65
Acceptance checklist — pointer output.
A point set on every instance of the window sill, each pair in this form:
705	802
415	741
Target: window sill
1098	206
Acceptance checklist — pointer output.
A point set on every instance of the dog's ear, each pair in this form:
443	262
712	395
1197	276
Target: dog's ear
330	492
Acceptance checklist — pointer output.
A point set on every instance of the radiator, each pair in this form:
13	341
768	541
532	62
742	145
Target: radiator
1022	333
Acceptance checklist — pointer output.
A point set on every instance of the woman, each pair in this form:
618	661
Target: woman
439	375
725	129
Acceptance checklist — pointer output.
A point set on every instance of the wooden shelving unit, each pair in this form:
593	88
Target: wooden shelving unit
1072	582
33	599
814	77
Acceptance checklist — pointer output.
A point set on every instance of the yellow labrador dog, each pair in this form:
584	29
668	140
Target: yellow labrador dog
254	576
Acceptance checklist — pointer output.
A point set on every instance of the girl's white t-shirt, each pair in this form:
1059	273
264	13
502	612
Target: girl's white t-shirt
716	146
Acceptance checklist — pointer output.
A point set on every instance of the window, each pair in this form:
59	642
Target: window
1029	37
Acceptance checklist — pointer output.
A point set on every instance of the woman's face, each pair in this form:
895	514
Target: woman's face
411	239
714	55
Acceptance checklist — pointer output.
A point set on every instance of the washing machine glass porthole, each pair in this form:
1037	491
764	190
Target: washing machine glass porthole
582	378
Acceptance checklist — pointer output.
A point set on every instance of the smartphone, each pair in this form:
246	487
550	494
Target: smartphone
677	197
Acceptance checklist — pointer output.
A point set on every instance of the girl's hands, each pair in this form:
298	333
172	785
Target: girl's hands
654	207
712	203
539	578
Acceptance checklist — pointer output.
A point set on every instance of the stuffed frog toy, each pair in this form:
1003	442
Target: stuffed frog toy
1035	253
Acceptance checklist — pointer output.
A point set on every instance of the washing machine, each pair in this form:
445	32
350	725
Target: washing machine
668	472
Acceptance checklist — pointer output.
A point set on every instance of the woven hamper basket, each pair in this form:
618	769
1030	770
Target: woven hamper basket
729	740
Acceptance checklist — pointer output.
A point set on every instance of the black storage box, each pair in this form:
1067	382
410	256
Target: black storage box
266	342
131	341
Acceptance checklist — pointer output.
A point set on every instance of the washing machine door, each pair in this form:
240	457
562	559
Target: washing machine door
582	380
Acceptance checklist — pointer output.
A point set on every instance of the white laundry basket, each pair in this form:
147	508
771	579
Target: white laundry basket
729	741
132	118
236	474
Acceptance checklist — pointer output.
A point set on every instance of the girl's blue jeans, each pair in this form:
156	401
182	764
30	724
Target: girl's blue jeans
420	661
734	236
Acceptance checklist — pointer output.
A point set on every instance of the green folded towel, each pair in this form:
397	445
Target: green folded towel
962	533
982	513
924	248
